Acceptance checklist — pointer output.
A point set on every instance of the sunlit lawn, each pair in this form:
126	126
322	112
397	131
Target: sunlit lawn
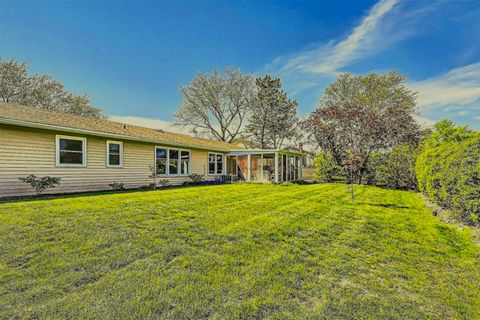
235	251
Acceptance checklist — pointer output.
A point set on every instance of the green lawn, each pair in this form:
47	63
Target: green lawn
235	252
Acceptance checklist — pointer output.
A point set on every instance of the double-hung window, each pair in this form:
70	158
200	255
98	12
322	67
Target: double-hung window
172	161
173	155
161	160
215	163
114	154
184	162
71	151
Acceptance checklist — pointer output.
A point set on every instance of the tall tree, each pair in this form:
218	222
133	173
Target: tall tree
446	131
217	104
357	116
274	116
40	91
375	91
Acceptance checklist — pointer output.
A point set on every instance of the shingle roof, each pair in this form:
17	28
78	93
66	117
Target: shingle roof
22	115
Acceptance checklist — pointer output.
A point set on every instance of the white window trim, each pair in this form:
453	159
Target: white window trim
57	151
108	154
223	161
167	169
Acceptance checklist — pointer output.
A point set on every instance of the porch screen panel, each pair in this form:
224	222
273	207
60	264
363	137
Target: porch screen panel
242	162
295	168
255	167
268	166
299	168
231	165
292	168
280	169
289	168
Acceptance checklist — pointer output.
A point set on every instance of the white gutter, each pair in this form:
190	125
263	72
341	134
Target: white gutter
36	125
240	152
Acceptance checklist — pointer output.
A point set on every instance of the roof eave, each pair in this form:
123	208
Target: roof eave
44	126
262	151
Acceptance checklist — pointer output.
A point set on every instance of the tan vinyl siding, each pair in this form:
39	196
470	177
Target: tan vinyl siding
29	151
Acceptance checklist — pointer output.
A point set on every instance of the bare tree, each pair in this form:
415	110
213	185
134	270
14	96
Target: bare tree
217	104
14	81
41	91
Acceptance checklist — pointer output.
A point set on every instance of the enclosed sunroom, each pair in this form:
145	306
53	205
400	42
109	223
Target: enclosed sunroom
264	165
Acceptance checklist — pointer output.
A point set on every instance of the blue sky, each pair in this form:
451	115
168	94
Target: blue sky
130	57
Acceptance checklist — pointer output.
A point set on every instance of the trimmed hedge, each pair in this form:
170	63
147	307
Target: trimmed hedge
394	169
450	175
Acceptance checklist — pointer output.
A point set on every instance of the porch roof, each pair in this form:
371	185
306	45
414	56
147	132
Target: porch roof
244	152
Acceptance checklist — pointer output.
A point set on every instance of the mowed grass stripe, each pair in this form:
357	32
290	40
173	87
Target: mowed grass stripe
236	251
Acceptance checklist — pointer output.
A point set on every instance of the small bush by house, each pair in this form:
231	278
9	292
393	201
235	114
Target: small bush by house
40	183
117	186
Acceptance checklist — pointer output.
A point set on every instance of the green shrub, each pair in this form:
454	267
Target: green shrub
394	169
449	173
325	167
40	183
196	178
163	183
117	186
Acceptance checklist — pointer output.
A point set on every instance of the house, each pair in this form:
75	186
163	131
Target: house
89	154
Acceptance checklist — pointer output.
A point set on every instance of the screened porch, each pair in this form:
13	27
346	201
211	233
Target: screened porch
264	165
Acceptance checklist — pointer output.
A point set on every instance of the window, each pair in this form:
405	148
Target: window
114	154
172	161
211	163
184	161
161	161
71	151
219	164
215	163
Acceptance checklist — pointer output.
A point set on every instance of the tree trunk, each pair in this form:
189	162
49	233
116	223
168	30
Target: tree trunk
353	193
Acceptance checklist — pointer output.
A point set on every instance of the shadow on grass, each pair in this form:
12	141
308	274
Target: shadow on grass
385	205
70	195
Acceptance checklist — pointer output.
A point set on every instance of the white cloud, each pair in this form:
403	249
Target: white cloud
318	65
454	95
424	122
330	57
459	86
152	123
386	24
